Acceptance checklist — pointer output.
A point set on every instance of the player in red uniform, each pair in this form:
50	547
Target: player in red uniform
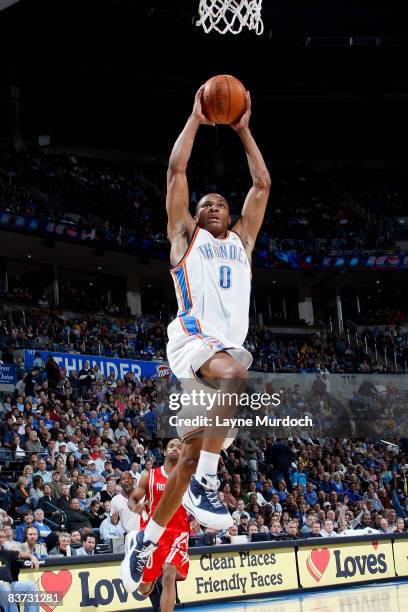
170	560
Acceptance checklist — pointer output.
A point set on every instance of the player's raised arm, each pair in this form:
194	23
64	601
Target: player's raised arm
253	211
180	224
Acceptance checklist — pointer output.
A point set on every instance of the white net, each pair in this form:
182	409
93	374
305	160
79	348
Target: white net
230	16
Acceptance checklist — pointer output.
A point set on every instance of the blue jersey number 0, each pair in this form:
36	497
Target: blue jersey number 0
225	277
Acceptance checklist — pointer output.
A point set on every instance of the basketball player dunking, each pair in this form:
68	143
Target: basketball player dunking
170	560
212	276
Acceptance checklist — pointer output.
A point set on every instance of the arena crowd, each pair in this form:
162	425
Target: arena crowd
317	208
69	452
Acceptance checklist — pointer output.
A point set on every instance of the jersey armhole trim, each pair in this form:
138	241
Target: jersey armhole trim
242	242
248	258
190	246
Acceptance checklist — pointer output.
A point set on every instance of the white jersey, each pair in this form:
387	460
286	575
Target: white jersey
213	286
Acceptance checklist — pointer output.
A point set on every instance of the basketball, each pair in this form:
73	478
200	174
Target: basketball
223	99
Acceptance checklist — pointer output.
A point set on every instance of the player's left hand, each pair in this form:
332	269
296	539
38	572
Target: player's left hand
244	121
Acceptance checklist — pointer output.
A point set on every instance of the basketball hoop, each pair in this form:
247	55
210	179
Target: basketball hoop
230	16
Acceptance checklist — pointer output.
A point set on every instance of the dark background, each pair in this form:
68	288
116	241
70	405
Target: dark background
327	79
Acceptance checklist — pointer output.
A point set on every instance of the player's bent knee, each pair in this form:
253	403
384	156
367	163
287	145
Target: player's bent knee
169	575
233	370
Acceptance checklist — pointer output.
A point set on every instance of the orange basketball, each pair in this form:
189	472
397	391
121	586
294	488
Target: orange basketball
223	99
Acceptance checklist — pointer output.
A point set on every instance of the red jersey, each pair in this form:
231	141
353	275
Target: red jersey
157	482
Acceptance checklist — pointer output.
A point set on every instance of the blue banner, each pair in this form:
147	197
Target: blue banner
123	241
106	364
7	374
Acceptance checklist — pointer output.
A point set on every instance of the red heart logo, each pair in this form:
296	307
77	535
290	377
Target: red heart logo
57	582
375	544
317	562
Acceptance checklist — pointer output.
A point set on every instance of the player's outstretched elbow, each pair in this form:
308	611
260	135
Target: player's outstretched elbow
175	169
263	182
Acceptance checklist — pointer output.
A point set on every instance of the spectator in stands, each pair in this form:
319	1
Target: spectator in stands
252	529
8	570
9	542
76	539
31	544
240	511
120	462
110	491
195	528
36	491
100	460
383	526
63	548
21	496
42	528
111	528
316	530
28	519
328	529
97	479
64	501
46	474
53	372
400	526
33	444
56	486
96	514
47	504
260	521
77	518
243	524
229	534
86	378
229	499
128	519
306	528
292	529
275	529
88	545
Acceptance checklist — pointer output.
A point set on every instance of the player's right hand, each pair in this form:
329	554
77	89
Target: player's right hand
198	110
